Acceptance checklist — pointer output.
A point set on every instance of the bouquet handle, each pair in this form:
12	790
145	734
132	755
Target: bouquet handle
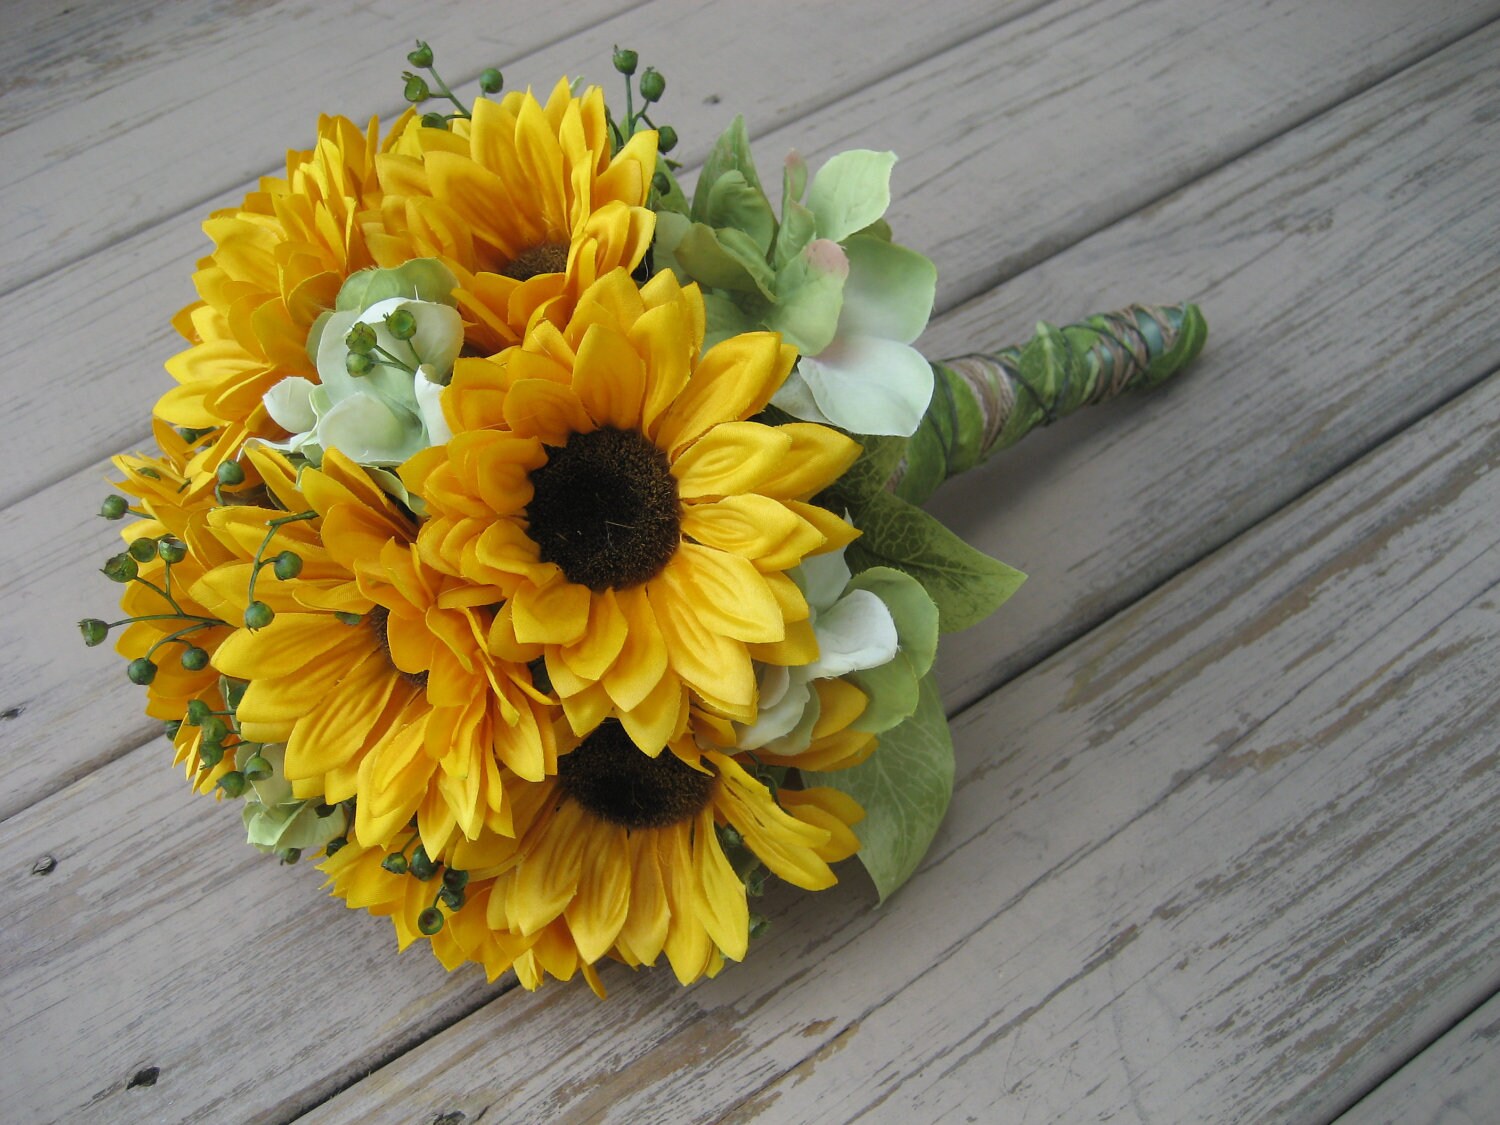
982	403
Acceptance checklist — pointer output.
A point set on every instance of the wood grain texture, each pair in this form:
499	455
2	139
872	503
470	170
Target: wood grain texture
1218	861
1131	505
959	121
154	898
198	97
1229	856
120	116
1453	1082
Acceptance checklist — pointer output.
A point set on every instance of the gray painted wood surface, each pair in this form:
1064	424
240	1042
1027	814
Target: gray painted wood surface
1223	845
1453	1082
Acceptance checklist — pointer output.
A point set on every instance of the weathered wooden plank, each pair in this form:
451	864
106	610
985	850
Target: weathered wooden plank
1148	486
154	900
122	115
225	94
111	400
560	1037
960	120
1452	1082
1222	859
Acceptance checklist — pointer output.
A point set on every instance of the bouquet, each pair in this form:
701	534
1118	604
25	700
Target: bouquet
543	549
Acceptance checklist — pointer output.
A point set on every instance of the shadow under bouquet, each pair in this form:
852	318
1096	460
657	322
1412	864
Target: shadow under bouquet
542	547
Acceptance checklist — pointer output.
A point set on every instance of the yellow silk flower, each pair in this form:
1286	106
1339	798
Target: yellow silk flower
401	706
524	202
605	479
619	856
278	261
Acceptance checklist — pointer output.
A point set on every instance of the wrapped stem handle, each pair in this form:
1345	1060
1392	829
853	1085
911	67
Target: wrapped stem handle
984	403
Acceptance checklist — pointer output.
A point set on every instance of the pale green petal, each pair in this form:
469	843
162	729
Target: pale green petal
889	292
851	191
421	279
912	609
869	386
366	430
796	398
809	292
429	395
775	721
857	632
289	403
733	202
823	579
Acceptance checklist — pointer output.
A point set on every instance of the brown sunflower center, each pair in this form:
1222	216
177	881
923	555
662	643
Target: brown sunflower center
379	620
613	778
604	508
549	257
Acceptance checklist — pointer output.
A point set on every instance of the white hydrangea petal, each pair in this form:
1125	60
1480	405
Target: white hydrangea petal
822	579
780	722
369	432
870	386
857	632
440	329
774	680
429	394
289	403
796	398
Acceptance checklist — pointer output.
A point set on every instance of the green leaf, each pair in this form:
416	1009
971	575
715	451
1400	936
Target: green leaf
727	259
731	153
724	317
736	204
868	475
798	228
904	787
966	585
851	191
672	200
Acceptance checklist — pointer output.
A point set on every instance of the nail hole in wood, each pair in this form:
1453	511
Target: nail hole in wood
11	713
144	1077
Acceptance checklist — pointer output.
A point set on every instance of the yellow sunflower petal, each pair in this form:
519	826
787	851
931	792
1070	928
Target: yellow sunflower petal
733	380
598	911
731	458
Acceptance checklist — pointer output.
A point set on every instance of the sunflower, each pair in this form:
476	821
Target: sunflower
524	202
278	261
620	855
373	669
605	477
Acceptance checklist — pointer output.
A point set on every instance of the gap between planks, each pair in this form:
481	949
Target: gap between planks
1453	1080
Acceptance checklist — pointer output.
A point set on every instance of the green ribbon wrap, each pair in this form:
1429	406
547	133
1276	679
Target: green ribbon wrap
984	403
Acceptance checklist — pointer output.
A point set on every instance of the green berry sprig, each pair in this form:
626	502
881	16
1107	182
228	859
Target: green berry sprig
417	89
